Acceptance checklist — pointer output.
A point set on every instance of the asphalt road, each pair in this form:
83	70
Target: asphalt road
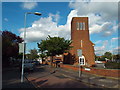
11	78
47	77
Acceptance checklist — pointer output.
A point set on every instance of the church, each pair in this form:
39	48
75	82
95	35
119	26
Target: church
80	41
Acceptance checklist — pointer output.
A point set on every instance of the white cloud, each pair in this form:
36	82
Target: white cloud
43	27
100	50
102	17
115	38
55	17
5	19
107	10
99	41
29	5
116	50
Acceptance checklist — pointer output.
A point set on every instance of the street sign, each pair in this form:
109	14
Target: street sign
79	52
87	69
20	47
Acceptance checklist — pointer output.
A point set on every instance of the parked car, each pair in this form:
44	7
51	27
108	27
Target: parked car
36	63
28	65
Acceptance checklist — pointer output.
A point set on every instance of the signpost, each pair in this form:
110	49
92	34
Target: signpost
79	52
20	47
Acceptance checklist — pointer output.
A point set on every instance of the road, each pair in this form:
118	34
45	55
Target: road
47	77
11	78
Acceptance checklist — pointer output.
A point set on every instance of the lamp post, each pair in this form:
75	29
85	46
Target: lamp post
35	13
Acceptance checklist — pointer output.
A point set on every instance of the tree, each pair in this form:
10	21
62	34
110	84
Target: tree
116	56
96	58
33	54
107	55
54	46
10	46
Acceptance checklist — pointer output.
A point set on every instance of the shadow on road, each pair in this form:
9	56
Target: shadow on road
25	84
11	79
42	81
63	84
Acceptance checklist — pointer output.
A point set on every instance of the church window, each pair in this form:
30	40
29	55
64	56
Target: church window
83	25
80	26
77	25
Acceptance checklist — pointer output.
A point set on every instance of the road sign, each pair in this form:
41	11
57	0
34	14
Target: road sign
79	52
20	47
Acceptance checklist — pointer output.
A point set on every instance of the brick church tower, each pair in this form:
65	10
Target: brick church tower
80	40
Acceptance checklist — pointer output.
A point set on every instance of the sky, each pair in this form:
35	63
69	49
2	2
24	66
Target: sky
56	21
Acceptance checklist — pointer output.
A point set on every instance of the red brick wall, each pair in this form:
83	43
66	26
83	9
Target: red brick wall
102	72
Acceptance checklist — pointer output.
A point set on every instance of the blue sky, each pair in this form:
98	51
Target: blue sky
56	18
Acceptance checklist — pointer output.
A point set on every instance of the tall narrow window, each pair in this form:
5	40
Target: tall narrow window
80	26
77	25
83	25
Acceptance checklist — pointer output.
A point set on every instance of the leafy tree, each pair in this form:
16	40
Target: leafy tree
107	55
33	54
42	49
96	58
116	56
10	46
20	55
54	46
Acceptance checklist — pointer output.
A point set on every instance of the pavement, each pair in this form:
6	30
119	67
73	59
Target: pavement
11	79
91	79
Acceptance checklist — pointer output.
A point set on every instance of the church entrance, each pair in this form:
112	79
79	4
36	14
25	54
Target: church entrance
82	60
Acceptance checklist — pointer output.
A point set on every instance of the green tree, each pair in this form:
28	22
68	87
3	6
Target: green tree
96	58
33	54
54	46
10	46
20	56
107	55
116	56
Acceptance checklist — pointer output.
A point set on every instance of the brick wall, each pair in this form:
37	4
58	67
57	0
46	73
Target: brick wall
102	72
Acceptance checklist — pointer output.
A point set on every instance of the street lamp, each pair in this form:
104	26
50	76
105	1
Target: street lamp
35	13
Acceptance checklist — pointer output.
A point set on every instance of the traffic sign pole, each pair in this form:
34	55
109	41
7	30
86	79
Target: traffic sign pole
79	68
79	52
